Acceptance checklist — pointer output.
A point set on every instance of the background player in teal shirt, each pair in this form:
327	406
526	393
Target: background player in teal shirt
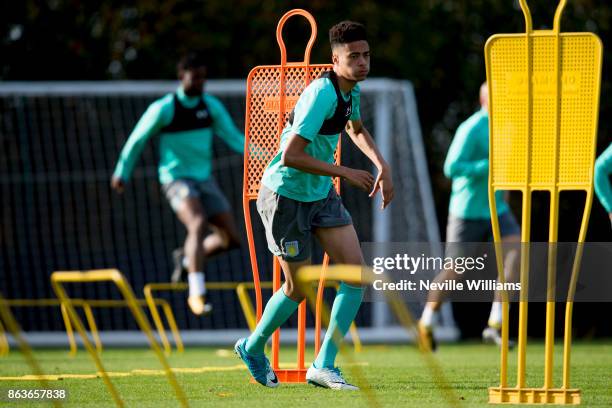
469	219
297	200
603	188
185	123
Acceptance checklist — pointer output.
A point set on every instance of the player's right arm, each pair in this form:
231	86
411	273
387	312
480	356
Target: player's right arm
149	124
603	189
459	161
294	155
316	103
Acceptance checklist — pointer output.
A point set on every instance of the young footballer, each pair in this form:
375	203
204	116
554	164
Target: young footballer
297	200
185	122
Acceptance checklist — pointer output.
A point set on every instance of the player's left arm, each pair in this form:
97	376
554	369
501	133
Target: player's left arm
224	126
364	141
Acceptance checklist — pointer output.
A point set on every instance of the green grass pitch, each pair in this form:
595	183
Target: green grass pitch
398	375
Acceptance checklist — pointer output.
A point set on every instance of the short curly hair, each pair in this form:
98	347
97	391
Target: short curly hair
347	32
191	60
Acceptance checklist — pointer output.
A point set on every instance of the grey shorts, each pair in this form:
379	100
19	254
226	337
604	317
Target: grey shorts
212	198
288	223
462	235
479	230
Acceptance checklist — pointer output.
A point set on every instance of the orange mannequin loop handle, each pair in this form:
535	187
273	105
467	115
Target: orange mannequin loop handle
283	49
279	34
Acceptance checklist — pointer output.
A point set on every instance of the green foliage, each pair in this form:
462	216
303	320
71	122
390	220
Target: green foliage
437	44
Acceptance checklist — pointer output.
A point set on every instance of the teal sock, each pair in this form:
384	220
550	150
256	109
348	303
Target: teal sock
277	311
343	313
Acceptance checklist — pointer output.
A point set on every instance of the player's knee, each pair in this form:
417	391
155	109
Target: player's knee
349	259
229	239
511	239
197	225
292	292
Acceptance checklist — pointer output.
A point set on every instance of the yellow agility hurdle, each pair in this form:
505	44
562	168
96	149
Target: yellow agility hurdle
47	303
111	275
244	299
543	102
11	324
87	306
152	305
151	302
4	346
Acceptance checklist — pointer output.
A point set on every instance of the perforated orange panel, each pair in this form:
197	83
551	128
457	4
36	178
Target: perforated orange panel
262	128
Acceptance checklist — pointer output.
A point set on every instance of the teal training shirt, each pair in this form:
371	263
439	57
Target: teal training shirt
603	169
316	104
186	154
467	165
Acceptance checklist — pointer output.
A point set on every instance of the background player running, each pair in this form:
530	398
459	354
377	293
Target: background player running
297	200
469	220
185	122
